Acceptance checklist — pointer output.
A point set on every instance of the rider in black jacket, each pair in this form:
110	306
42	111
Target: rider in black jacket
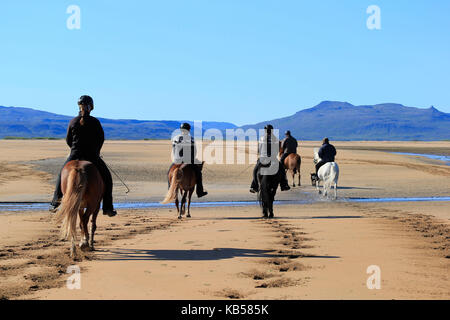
326	153
289	145
85	138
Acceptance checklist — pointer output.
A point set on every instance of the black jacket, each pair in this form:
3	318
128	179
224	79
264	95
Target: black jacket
85	140
290	145
327	152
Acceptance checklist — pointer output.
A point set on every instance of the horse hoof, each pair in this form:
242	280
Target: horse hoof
179	217
188	216
84	246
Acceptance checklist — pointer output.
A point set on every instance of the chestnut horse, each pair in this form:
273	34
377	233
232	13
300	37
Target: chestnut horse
182	178
292	164
83	188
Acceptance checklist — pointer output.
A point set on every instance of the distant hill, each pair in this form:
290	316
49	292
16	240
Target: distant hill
344	121
334	119
30	123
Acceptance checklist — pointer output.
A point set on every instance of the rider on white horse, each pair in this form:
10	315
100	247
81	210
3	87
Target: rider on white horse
326	169
326	154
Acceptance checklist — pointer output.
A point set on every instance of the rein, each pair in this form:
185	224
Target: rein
128	189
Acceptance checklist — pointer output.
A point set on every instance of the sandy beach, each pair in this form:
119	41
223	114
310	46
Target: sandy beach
319	249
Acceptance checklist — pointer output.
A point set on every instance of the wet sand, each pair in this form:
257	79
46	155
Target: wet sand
311	251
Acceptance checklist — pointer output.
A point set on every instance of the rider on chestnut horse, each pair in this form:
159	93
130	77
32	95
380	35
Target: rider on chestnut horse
184	151
268	146
85	138
288	145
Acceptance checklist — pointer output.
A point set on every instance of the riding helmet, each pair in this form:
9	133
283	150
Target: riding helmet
185	126
268	127
86	100
288	133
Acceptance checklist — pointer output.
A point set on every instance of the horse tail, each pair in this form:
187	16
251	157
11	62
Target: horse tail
71	203
172	193
335	172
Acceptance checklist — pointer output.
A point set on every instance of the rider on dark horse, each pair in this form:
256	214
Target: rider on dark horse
85	138
289	145
268	146
326	153
184	151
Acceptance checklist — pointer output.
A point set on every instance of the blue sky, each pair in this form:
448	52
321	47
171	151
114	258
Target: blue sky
239	61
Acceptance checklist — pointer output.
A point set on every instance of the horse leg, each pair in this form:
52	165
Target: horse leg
183	202
83	228
335	191
293	178
93	227
272	198
265	210
189	202
299	175
84	219
182	205
177	203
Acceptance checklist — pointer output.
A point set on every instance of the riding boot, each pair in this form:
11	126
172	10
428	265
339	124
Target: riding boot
318	165
284	185
199	189
108	207
254	187
57	195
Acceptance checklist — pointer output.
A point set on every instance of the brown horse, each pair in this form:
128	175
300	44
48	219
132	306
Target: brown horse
292	164
83	188
182	178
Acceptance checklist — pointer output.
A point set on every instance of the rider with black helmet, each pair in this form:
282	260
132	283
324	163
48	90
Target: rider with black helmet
184	151
267	150
289	145
85	138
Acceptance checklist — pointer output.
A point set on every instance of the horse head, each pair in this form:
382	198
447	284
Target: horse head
313	179
316	155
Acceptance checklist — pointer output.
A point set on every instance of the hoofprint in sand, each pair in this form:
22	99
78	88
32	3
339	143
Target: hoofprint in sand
316	251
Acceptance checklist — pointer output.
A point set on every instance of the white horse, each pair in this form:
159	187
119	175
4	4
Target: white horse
328	173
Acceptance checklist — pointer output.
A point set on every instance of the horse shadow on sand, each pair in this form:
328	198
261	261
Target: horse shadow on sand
118	254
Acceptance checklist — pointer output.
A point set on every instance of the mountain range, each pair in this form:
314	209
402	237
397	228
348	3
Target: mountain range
334	119
344	121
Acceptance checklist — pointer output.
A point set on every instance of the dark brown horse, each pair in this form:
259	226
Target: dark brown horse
292	164
182	178
83	188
